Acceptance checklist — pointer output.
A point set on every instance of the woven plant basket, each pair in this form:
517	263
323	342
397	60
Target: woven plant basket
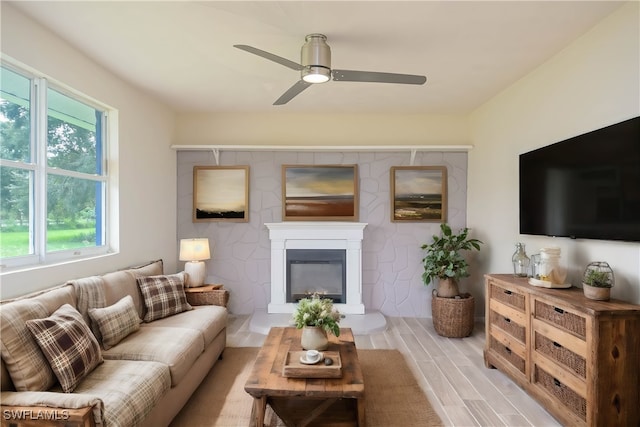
453	317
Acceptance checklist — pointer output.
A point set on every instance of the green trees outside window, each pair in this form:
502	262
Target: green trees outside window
52	169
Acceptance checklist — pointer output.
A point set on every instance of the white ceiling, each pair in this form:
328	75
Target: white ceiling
183	52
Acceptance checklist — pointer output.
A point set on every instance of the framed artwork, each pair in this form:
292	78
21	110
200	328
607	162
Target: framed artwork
221	193
320	193
418	193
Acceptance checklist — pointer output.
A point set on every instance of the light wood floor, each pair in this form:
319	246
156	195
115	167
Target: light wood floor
451	372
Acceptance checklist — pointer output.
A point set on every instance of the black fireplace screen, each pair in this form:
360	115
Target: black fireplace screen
321	271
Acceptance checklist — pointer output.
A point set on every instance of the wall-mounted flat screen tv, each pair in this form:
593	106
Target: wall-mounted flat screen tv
585	187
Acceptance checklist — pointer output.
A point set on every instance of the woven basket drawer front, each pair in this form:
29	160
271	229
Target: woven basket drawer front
560	354
507	354
563	319
509	326
507	296
565	395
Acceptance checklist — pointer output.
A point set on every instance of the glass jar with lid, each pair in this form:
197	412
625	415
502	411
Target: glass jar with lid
551	268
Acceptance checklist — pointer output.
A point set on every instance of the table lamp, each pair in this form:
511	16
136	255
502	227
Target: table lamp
194	251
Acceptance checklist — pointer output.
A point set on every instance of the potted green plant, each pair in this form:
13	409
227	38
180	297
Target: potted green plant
444	262
597	281
452	312
316	316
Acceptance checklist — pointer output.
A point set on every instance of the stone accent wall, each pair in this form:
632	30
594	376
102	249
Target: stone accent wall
391	258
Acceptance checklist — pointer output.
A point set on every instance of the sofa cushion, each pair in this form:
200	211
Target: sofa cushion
209	320
119	284
51	299
153	268
128	389
116	321
163	296
68	344
123	282
177	348
27	366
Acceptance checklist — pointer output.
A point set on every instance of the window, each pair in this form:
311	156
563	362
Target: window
53	174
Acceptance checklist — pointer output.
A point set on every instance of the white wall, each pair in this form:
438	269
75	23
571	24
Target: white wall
593	83
145	166
321	129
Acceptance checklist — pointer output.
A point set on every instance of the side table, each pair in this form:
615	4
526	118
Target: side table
207	295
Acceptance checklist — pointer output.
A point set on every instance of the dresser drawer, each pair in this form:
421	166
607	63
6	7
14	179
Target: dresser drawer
560	354
507	296
507	354
564	395
561	318
508	325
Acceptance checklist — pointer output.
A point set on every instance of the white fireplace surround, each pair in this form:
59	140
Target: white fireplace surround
316	235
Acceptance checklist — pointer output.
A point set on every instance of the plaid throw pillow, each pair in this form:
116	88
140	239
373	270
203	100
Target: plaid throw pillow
68	344
163	296
115	322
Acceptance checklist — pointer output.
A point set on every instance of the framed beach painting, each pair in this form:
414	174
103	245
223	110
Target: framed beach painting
221	193
320	192
418	193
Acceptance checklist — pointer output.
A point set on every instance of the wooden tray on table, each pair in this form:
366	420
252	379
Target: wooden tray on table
294	368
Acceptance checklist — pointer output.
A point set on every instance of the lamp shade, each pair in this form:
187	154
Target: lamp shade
194	249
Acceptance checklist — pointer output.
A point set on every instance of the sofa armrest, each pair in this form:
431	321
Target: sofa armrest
43	408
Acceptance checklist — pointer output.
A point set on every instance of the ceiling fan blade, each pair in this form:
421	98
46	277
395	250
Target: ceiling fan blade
292	92
375	77
270	56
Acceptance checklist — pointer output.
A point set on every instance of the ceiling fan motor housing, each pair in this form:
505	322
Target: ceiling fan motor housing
315	57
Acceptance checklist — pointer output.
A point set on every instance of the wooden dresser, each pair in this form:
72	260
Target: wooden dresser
578	357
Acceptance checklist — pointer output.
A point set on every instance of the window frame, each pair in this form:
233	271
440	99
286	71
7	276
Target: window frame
40	171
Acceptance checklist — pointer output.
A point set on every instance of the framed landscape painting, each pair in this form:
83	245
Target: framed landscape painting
221	193
418	193
320	193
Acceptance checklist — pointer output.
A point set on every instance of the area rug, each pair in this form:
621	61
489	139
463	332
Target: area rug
393	397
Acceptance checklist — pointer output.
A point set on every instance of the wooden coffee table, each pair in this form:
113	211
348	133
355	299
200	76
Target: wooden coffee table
306	401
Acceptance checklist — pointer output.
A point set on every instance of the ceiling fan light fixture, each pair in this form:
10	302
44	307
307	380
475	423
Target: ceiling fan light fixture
311	74
315	67
315	57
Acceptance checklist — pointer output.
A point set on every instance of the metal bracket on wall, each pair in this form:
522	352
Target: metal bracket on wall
216	155
413	157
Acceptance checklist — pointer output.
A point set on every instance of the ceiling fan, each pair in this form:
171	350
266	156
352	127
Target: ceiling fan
315	67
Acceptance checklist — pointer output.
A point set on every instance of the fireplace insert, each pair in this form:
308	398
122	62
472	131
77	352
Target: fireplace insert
321	271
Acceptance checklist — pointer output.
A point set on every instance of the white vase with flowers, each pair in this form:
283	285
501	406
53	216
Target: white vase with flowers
316	316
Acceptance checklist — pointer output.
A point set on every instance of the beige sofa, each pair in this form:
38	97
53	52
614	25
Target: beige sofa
145	378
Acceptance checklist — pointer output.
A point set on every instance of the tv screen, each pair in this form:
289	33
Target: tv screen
585	187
